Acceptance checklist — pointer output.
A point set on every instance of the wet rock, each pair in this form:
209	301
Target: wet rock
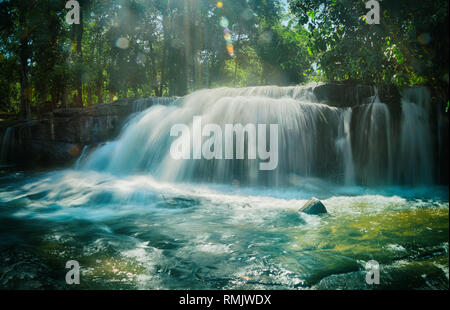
345	281
313	207
343	95
58	137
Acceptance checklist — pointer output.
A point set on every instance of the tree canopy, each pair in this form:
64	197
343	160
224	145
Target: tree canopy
408	47
141	48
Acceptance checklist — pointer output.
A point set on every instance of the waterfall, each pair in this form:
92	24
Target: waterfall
416	149
81	157
140	105
373	145
145	143
6	145
352	145
344	145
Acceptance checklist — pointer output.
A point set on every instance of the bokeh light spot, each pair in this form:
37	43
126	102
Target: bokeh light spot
266	37
424	38
224	22
227	37
140	59
247	14
230	49
68	46
122	43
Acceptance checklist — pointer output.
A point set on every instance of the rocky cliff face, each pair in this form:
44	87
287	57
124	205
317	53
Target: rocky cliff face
60	136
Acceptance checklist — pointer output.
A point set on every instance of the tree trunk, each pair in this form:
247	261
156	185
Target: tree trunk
154	73
25	106
89	96
187	47
162	81
78	29
236	58
64	99
99	94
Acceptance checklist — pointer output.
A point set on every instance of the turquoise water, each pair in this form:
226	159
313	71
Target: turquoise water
133	232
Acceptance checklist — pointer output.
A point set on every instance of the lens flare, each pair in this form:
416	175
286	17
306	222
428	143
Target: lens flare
227	35
224	22
266	37
140	59
68	46
230	49
424	38
247	14
122	43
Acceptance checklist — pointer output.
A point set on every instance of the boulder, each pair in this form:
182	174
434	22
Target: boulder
313	207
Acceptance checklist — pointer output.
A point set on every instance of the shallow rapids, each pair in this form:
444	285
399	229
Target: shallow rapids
138	233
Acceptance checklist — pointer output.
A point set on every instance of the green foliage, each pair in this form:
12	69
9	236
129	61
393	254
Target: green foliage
136	48
409	47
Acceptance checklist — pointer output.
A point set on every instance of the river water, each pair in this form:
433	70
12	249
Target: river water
135	232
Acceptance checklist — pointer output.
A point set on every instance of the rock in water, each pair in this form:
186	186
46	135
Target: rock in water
313	206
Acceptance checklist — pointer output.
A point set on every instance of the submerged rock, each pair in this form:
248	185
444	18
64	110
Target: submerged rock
313	207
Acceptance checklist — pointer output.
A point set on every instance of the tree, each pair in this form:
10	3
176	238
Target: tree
400	50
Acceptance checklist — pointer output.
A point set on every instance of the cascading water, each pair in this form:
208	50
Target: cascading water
315	139
416	146
145	143
373	145
81	157
6	144
140	105
344	144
